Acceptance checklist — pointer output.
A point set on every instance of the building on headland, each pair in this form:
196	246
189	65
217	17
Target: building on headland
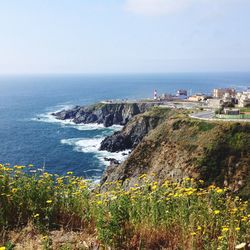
214	103
243	99
197	97
181	93
166	97
219	93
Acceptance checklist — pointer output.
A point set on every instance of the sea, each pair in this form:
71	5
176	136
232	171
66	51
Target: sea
29	134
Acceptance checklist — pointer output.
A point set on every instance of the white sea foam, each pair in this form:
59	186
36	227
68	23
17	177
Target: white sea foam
50	118
87	145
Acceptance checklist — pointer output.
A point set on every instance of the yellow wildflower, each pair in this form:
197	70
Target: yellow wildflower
49	201
14	190
225	229
70	172
216	212
143	176
244	218
211	187
19	167
219	191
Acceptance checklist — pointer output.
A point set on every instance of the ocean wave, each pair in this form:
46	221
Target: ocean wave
92	145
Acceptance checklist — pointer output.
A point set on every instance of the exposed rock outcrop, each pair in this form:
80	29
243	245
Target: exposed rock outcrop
134	131
107	114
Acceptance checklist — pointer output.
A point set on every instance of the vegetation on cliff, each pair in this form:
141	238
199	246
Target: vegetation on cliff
179	147
149	215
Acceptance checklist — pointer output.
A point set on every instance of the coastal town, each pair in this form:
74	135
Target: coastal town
222	104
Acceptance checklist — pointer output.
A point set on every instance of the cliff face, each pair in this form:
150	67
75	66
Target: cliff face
181	147
107	114
131	135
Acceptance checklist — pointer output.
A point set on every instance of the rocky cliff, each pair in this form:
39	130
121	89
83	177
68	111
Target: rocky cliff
182	147
131	135
107	114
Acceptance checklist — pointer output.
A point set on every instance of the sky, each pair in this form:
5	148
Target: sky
124	36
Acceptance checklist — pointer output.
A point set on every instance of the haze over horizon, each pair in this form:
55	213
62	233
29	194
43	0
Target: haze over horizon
124	36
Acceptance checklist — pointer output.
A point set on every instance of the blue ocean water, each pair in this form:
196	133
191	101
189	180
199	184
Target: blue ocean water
62	147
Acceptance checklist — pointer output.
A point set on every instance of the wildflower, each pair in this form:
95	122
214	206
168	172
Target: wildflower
99	202
244	218
225	229
154	187
219	191
190	192
143	176
199	228
2	248
234	210
59	180
45	238
19	167
36	215
216	212
193	234
49	201
220	237
237	229
211	187
69	173
14	190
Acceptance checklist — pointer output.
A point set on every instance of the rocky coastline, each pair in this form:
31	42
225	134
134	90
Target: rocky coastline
107	114
129	115
166	143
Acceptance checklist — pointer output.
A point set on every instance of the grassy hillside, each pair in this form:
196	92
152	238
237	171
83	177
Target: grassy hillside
217	152
171	215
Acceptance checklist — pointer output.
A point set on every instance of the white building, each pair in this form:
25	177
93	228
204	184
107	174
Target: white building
243	99
219	93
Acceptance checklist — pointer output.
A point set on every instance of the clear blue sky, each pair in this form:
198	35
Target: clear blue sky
124	36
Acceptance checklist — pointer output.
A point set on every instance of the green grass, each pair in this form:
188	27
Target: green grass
245	109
